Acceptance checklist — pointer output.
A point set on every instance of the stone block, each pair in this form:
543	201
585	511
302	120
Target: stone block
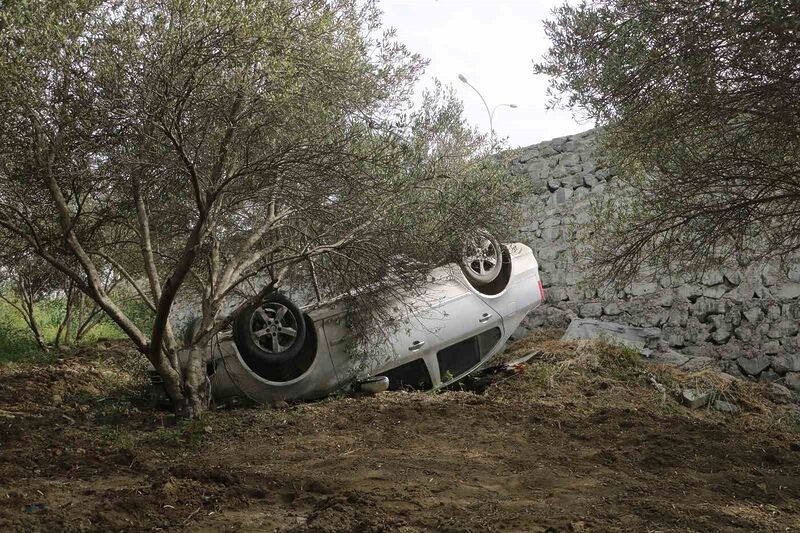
771	347
792	381
717	321
555	295
548	151
694	399
678	314
549	253
721	335
695	331
717	291
581	192
669	357
570	145
674	337
550	222
769	275
744	333
653	317
725	407
779	393
711	277
698	363
604	174
753	366
734	277
586	328
743	292
573	277
551	234
785	328
793	273
773	312
573	181
754	315
786	291
791	344
642	288
768	376
733	317
786	363
730	368
664	299
705	306
583	217
560	197
761	330
570	160
538	186
791	311
690	291
591	310
612	309
574	293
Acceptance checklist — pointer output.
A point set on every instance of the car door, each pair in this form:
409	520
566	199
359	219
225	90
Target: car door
445	314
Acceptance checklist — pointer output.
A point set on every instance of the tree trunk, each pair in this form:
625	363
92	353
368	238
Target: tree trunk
37	333
63	327
195	385
28	297
187	388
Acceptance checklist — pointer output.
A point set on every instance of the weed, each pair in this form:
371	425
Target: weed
542	374
113	437
190	432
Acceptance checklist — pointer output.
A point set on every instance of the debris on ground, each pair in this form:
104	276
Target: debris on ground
725	407
588	328
695	399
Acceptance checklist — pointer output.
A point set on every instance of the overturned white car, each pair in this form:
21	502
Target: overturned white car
461	318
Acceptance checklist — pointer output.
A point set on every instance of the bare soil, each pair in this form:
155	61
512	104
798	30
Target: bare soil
584	439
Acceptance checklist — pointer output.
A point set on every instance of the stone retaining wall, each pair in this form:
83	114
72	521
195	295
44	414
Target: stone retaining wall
747	321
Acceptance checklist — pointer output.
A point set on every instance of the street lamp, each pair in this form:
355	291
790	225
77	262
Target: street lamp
489	113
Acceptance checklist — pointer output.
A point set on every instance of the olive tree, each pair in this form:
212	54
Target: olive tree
23	287
698	100
217	149
32	287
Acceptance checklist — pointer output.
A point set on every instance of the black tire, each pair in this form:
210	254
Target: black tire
255	320
481	250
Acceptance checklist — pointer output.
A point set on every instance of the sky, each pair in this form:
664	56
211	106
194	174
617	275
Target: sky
493	43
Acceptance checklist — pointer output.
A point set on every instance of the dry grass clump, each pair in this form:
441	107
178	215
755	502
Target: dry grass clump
536	341
746	395
566	369
585	374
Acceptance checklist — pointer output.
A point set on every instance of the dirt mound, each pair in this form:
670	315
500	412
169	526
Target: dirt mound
586	437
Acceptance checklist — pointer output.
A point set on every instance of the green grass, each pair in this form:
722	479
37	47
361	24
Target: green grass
17	342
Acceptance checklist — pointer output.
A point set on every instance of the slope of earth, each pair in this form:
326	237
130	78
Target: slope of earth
584	438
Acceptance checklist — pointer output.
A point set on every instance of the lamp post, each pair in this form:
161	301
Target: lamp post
489	113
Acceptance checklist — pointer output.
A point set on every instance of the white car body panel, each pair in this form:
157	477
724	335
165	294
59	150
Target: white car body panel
446	312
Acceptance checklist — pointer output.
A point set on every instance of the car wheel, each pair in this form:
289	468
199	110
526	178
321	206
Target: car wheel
273	330
482	258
